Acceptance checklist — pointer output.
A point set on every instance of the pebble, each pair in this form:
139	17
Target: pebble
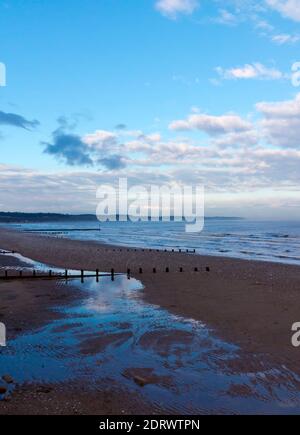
140	381
8	379
44	390
2	389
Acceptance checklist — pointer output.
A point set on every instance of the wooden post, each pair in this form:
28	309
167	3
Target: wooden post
6	274
82	275
128	273
66	274
154	270
97	275
112	274
140	270
196	269
50	273
21	273
33	273
167	270
207	269
181	270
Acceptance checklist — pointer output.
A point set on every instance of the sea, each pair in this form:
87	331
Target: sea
262	240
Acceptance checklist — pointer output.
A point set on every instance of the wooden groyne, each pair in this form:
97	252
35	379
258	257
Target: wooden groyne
25	274
9	274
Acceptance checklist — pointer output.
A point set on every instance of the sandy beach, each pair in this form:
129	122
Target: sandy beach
253	303
250	304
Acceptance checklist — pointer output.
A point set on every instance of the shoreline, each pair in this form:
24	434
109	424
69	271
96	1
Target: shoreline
250	303
230	249
117	248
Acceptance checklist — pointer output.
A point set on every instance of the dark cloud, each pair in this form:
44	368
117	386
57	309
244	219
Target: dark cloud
121	127
92	150
17	121
69	148
113	162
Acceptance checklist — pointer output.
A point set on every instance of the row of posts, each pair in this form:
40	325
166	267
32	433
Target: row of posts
112	273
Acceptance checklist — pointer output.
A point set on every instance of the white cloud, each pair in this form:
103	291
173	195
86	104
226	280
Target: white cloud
285	38
172	8
212	125
250	71
281	122
287	8
100	139
227	18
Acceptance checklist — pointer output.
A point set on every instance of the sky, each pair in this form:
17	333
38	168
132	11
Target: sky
158	91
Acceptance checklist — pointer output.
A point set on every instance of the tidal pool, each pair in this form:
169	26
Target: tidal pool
178	365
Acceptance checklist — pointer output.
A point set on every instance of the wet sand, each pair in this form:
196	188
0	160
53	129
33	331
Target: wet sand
25	305
75	399
28	305
253	304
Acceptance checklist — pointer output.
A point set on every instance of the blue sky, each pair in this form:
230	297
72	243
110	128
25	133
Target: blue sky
169	90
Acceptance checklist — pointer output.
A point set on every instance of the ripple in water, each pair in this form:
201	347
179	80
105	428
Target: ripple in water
178	365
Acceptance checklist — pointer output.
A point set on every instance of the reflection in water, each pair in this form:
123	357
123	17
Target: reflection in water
182	366
178	365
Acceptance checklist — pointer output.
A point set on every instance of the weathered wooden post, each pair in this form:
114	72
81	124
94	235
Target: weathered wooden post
112	274
97	275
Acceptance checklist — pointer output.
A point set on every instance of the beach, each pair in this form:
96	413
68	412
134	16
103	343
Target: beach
247	303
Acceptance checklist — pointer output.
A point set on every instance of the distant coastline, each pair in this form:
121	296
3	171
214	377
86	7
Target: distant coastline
19	217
